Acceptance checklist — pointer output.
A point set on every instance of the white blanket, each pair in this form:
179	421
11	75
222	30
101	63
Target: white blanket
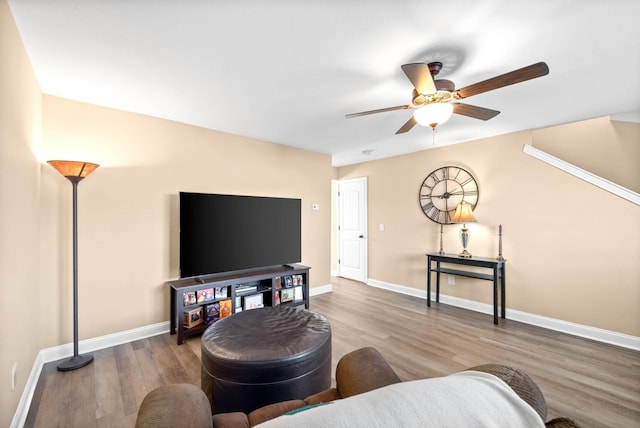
465	399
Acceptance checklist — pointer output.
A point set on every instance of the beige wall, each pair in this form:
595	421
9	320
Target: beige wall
128	208
606	148
572	248
20	106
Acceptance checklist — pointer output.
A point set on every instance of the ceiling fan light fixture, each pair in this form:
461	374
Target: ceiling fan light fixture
433	114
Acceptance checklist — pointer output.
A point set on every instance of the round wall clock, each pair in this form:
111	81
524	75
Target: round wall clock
442	191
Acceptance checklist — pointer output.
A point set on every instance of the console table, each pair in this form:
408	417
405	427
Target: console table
497	275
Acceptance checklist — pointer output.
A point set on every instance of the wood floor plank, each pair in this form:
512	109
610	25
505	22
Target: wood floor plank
596	384
108	399
133	384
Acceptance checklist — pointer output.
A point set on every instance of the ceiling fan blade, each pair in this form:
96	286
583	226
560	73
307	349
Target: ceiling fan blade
380	110
522	74
475	112
407	126
420	76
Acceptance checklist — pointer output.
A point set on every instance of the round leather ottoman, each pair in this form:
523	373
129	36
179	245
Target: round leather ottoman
264	356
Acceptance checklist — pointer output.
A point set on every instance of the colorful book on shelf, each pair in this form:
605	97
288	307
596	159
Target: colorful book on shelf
205	295
189	298
225	308
212	313
253	301
221	292
287	295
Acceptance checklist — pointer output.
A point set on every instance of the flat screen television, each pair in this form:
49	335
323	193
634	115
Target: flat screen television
222	233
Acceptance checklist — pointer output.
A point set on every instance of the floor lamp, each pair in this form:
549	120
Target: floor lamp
74	172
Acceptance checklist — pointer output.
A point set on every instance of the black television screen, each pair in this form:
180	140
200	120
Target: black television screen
221	233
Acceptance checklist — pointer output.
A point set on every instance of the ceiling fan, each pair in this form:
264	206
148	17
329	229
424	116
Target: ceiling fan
435	100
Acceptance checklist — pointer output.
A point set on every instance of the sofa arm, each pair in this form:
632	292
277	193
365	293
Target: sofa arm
363	370
231	420
174	405
325	396
272	411
562	423
520	383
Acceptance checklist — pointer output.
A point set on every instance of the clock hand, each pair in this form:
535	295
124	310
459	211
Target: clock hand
447	194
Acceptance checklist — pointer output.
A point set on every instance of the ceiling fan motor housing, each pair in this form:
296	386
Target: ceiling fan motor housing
445	85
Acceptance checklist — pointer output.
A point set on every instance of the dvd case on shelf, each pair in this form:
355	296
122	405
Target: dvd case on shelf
225	308
253	301
205	295
212	313
287	295
189	298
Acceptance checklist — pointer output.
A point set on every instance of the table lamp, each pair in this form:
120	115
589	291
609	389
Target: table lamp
464	215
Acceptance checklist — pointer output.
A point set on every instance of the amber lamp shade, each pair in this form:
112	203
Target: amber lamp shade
73	168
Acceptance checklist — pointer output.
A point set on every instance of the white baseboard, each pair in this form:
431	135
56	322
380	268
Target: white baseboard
593	333
65	351
315	291
20	417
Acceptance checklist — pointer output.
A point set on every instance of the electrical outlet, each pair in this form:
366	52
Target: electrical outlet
452	280
14	374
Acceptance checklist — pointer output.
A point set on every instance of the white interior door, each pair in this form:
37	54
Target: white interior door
352	229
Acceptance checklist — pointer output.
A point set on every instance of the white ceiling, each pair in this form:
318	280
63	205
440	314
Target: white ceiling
287	71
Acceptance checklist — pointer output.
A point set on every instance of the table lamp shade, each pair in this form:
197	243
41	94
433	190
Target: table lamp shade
463	213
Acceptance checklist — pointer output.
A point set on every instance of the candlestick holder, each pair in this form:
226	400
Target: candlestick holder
500	258
441	250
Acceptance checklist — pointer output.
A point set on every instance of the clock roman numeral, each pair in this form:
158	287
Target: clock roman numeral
455	177
467	181
434	214
428	206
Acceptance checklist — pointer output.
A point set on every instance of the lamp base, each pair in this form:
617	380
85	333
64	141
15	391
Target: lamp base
75	362
464	254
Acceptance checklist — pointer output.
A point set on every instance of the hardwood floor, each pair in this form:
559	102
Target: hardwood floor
596	384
